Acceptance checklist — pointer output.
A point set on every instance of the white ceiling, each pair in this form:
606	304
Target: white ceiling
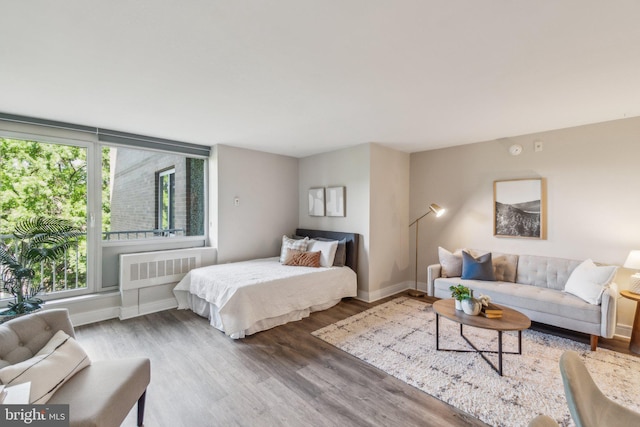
299	77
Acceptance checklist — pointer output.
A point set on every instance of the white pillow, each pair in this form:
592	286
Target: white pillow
49	369
288	243
327	251
451	263
588	281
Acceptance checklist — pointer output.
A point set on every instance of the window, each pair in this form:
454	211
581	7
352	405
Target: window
46	179
108	182
152	194
166	202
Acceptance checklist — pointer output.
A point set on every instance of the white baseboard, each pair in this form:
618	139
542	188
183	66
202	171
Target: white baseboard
155	306
87	317
147	308
623	331
128	312
389	291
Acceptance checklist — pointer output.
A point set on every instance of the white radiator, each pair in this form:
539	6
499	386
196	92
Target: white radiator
147	279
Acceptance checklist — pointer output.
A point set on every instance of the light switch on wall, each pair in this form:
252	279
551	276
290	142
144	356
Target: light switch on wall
537	146
236	201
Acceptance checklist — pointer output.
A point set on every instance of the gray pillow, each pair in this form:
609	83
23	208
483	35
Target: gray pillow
480	268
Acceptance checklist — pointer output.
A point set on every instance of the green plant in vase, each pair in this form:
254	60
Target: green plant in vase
459	293
36	240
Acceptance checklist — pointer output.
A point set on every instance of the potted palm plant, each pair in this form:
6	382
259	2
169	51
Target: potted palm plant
36	240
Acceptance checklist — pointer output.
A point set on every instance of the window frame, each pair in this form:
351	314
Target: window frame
46	131
170	174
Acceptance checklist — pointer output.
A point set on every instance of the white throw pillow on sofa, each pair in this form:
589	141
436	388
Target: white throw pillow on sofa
49	369
588	281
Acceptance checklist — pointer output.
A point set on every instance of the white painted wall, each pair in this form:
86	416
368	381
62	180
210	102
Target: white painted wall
348	168
389	222
267	187
377	199
591	172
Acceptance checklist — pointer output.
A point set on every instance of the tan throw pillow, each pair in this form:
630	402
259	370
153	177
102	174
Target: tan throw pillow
49	369
451	263
302	259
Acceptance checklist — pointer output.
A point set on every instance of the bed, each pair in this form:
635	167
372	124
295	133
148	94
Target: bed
243	298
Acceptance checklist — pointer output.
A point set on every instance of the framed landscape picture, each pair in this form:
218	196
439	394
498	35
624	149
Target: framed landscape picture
519	208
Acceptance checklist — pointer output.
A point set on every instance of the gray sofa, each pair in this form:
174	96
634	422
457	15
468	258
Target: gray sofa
534	285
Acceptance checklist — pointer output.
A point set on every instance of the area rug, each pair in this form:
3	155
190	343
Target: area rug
398	337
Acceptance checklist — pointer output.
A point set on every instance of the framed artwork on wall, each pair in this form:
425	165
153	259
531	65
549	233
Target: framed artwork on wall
316	201
519	208
335	201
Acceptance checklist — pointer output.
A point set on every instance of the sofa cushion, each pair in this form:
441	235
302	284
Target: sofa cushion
59	360
104	393
535	301
588	281
480	268
451	263
545	272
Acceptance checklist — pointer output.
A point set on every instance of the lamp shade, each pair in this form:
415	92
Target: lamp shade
439	211
633	260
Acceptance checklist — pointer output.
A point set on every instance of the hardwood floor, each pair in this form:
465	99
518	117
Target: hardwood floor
280	377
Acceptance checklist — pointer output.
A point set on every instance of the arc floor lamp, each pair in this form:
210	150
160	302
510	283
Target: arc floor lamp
439	212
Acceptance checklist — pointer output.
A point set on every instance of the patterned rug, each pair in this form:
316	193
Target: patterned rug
398	337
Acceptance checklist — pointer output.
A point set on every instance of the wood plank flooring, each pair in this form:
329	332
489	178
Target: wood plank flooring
280	377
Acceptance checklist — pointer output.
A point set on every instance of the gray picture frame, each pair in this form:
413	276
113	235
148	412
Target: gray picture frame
335	201
316	201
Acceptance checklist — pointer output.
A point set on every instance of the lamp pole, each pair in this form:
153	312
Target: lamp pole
415	292
438	211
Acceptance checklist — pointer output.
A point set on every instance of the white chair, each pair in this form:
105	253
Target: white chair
100	395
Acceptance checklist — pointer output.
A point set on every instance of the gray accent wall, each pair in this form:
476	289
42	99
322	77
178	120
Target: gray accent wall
592	198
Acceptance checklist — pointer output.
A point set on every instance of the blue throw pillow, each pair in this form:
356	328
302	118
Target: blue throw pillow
480	268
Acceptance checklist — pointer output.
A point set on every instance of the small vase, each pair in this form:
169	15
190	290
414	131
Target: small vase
458	304
471	306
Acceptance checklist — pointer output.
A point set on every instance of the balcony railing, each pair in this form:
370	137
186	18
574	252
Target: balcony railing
142	234
70	272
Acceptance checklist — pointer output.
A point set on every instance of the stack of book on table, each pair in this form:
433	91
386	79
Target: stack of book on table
491	311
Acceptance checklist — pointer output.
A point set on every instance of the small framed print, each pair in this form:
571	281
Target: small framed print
316	201
519	208
335	201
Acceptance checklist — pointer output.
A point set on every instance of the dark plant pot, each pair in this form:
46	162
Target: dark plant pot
7	315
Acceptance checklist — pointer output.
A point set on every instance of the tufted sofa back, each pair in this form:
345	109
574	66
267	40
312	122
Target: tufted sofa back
23	337
545	272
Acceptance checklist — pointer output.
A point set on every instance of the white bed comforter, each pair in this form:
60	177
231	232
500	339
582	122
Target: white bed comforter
244	293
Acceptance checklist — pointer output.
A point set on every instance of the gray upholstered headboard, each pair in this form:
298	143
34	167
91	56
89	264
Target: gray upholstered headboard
353	240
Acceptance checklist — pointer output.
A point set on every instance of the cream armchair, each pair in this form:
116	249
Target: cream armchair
100	395
587	404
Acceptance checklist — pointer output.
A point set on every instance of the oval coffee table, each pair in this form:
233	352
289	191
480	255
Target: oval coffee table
511	320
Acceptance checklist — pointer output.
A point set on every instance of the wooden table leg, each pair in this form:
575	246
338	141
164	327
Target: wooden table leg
634	345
